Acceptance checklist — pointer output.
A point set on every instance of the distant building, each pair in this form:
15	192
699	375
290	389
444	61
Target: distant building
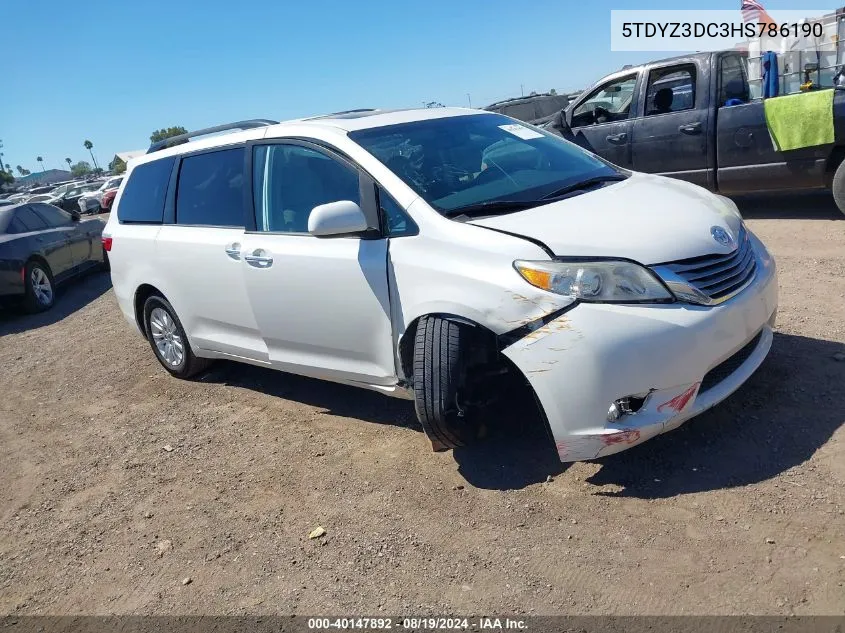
126	156
43	177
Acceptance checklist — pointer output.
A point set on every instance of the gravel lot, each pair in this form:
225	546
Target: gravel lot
120	482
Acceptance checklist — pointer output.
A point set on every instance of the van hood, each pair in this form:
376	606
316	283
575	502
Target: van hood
649	219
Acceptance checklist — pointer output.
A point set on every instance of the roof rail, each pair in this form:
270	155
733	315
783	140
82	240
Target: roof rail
340	114
184	138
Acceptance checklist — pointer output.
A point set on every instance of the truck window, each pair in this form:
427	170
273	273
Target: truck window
733	79
610	102
670	89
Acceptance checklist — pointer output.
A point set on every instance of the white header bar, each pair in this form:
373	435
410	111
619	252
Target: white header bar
705	30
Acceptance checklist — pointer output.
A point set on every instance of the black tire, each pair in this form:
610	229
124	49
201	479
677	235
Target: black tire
838	186
190	364
36	297
439	352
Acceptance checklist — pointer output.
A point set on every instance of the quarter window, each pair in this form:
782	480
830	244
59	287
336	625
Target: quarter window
670	90
210	190
143	196
396	221
290	180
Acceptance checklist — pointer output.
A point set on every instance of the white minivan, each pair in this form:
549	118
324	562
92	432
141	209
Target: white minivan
421	253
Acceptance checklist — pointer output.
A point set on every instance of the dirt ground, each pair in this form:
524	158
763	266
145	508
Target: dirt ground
120	482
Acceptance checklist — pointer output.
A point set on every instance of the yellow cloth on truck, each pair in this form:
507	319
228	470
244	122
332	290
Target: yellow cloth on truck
800	120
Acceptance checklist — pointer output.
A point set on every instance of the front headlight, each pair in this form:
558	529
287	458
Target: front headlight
606	281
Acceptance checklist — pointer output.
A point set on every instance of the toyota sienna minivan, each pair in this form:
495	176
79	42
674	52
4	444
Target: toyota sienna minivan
420	253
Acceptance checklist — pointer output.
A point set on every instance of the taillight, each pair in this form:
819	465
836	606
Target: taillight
106	244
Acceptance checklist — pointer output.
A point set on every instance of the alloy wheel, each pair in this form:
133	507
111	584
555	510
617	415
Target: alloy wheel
41	286
166	337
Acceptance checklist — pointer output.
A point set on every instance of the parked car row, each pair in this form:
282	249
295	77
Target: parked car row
92	201
85	196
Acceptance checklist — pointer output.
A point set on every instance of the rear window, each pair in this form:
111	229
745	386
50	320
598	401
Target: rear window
145	191
210	190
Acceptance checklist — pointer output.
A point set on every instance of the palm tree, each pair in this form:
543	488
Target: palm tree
68	161
8	168
41	160
20	169
90	146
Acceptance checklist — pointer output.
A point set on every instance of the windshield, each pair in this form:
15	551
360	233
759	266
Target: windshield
479	159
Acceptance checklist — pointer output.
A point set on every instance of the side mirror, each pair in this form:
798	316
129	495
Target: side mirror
560	125
336	219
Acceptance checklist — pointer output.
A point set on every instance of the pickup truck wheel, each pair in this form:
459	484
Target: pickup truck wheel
838	186
168	340
439	353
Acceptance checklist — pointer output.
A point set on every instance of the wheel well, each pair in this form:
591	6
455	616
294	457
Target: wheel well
483	343
834	160
40	260
144	292
493	372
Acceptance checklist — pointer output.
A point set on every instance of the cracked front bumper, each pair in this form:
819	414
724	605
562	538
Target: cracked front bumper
583	361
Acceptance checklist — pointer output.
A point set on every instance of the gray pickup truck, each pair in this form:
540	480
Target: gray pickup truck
692	117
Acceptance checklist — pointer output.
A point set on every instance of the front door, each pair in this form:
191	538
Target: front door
670	138
321	304
601	123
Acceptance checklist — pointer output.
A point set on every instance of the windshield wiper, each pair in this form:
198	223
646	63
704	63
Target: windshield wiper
589	183
492	207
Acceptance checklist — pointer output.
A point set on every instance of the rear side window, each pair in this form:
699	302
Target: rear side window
671	90
26	220
53	215
143	196
210	190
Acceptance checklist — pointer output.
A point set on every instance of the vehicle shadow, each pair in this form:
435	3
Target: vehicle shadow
801	205
516	451
786	411
70	297
336	399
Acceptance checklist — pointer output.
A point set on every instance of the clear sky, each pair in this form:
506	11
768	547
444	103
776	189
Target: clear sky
114	71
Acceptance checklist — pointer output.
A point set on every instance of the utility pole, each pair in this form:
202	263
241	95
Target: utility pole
522	89
469	100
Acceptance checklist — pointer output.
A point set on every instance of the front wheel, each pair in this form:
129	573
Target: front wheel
440	350
168	340
838	186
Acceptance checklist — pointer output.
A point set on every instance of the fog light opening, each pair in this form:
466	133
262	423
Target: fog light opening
629	405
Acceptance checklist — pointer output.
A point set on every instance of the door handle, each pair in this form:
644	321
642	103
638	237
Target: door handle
259	258
690	128
234	251
617	139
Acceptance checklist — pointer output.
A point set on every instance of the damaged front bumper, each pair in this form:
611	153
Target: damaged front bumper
680	358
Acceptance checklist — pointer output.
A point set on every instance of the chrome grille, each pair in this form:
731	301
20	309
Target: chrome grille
714	278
